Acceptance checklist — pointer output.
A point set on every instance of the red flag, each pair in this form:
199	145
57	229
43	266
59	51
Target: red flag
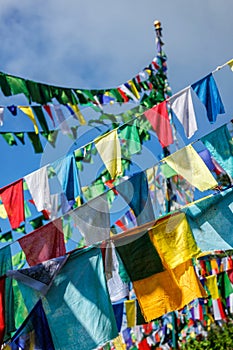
159	119
48	110
46	242
2	309
13	200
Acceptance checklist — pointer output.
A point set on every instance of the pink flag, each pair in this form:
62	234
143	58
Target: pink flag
13	200
159	119
46	242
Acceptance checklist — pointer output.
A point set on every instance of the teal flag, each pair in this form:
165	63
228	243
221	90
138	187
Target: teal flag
77	306
220	144
211	221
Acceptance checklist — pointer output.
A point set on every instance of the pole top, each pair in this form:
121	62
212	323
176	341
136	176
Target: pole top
157	25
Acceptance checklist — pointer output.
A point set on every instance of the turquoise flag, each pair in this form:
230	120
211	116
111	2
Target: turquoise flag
77	306
220	144
211	221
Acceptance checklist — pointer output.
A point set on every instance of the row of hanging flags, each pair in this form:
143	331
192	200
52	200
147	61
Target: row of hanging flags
202	170
36	299
181	105
201	226
147	272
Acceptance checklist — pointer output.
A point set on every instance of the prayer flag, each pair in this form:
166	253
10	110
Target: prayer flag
159	119
207	91
67	173
46	242
130	140
211	284
182	106
174	240
139	256
168	291
187	163
38	185
34	330
109	149
79	296
211	221
61	120
8	297
13	199
219	143
130	307
2	309
136	193
230	64
28	111
93	219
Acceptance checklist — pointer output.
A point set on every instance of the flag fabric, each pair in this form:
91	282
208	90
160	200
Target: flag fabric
28	111
2	309
187	163
159	120
130	307
79	295
168	291
62	121
34	333
130	140
13	199
211	222
40	276
8	298
118	309
93	219
67	174
182	105
174	240
139	256
230	64
2	109
38	185
109	150
116	287
219	143
207	91
136	193
212	286
46	242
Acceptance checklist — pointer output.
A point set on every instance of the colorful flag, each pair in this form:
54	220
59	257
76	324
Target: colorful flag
207	91
47	242
182	106
174	240
187	163
109	149
159	119
13	199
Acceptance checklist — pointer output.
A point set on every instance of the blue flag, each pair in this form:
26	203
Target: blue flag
207	91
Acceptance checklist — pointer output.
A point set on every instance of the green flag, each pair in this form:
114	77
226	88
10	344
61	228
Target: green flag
35	140
9	137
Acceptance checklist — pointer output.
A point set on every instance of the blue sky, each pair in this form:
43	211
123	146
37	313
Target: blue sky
101	44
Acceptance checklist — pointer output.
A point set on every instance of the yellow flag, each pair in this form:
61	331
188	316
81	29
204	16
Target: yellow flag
174	240
168	291
130	307
109	149
134	89
78	114
118	343
230	64
211	284
187	163
29	113
3	213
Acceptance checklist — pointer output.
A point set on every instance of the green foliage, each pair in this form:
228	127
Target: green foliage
218	338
